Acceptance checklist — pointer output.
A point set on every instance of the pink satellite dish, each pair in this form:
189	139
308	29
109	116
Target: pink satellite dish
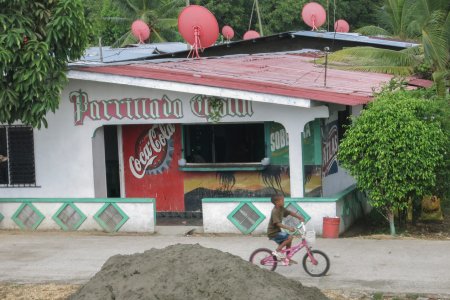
341	26
198	26
314	15
228	32
140	30
251	34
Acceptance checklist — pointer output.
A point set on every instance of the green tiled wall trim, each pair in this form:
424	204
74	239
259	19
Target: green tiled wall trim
78	200
333	198
16	216
63	226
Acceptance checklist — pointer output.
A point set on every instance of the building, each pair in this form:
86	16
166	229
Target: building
211	138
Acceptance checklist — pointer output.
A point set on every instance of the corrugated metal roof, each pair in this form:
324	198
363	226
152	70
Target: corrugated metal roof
278	74
133	52
355	37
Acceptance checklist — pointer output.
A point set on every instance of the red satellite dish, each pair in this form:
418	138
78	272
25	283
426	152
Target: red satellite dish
198	26
314	15
341	26
251	34
140	30
228	32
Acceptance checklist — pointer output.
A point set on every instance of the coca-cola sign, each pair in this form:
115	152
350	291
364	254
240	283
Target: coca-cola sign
153	151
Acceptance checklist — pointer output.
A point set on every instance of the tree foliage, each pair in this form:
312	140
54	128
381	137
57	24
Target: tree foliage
160	15
426	22
281	16
394	149
101	14
37	39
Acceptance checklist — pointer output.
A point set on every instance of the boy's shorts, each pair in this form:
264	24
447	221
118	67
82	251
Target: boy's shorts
280	237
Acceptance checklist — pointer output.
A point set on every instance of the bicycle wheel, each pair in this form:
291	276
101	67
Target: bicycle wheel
263	258
322	266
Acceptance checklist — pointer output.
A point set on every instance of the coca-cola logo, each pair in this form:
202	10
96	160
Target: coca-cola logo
153	151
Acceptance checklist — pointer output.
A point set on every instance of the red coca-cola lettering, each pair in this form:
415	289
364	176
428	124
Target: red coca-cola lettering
151	149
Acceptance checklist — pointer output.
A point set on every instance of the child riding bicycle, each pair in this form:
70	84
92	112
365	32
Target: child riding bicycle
283	239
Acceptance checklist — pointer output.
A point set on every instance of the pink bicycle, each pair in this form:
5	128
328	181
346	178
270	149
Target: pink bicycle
315	262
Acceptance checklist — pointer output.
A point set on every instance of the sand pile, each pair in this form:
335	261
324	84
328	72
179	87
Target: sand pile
189	272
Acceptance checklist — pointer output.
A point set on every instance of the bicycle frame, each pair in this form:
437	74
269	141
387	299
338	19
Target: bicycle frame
290	252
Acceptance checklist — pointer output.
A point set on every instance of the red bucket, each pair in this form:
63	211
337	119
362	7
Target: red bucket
331	227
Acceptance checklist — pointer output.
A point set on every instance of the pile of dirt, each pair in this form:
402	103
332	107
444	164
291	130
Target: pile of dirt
189	272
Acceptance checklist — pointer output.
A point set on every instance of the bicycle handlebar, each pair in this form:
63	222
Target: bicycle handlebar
301	226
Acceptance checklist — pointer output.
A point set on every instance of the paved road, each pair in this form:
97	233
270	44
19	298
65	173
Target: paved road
395	266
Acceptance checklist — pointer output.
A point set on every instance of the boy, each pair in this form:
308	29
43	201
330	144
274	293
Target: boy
283	239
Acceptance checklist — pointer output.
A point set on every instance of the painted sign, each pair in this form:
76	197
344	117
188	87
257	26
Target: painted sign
138	108
279	144
330	149
146	108
151	154
201	107
153	151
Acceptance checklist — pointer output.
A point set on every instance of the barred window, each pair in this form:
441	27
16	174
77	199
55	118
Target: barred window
17	156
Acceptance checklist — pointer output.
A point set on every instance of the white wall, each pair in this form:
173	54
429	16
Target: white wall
141	216
64	152
215	216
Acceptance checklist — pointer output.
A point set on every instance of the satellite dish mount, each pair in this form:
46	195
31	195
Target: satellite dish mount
314	15
198	26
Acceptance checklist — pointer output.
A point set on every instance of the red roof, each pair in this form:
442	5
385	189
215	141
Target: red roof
279	74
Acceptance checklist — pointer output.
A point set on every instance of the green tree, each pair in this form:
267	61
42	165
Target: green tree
281	16
426	22
161	16
393	150
100	14
37	39
235	13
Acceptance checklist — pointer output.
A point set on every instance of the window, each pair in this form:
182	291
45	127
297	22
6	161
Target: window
224	143
17	156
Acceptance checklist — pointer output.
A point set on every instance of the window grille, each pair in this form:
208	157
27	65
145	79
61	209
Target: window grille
28	217
111	217
291	221
69	217
17	168
246	217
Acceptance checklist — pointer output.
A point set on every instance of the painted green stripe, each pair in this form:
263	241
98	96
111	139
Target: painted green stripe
77	200
213	169
249	200
239	200
333	198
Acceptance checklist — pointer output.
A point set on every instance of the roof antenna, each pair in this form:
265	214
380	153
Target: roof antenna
100	48
326	49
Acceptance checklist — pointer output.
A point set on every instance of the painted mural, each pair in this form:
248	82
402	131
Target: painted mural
272	179
150	155
330	148
312	159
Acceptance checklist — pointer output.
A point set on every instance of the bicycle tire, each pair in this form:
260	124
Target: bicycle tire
259	254
323	262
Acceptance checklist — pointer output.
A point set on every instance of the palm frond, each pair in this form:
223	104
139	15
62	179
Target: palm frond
387	69
158	36
373	31
434	40
118	19
385	56
124	7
